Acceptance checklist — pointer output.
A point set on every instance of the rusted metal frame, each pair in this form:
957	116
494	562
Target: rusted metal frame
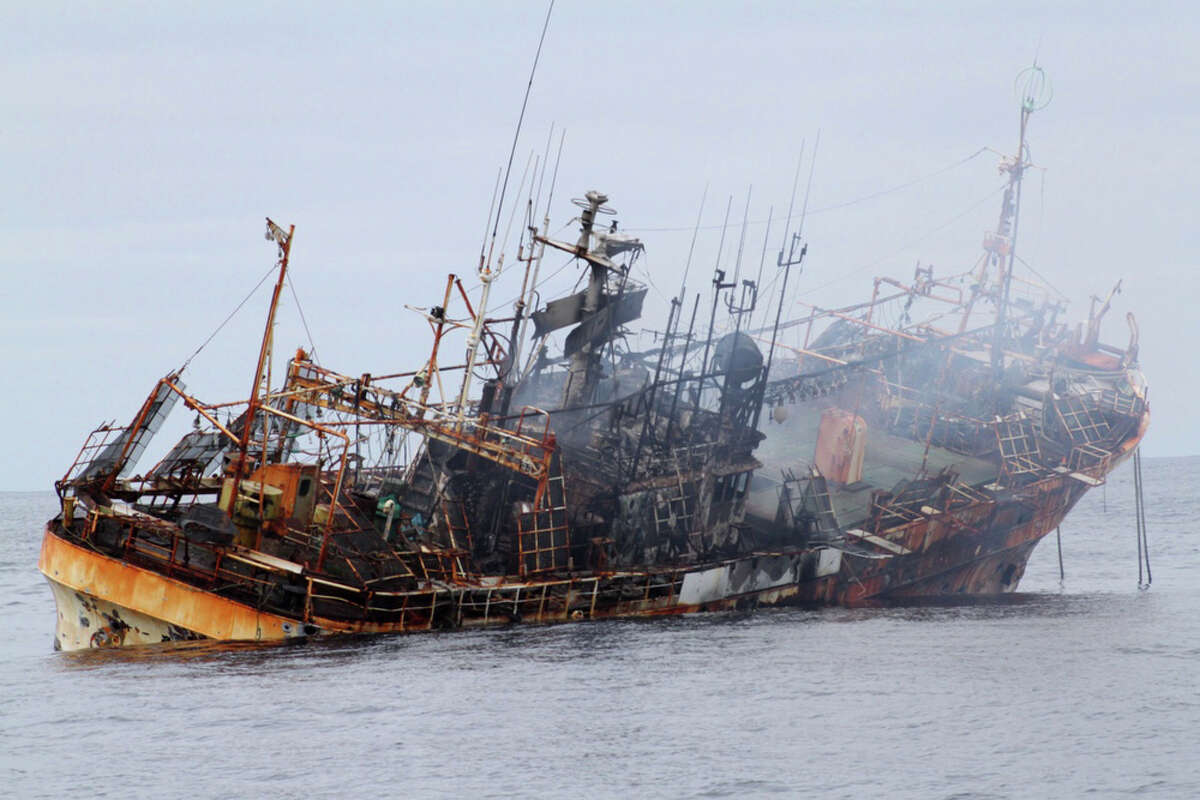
134	430
106	428
367	607
91	522
248	582
357	575
937	409
174	549
412	372
896	511
525	412
874	297
818	313
509	449
420	563
928	328
804	352
202	410
408	420
455	556
950	518
228	404
812	318
394	576
466	299
266	432
915	292
456	596
865	324
438	332
484	330
337	487
333	598
140	545
289	405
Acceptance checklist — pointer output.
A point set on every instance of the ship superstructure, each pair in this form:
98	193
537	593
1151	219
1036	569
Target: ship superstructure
937	431
537	467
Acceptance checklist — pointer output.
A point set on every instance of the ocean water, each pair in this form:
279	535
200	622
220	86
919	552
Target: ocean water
1085	688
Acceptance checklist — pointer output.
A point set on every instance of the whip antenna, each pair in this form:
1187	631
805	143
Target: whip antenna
517	134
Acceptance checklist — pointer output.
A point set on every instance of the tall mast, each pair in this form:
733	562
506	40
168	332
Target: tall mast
581	360
284	242
486	275
1034	91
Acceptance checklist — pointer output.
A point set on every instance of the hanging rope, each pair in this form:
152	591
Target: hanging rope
1143	544
1061	574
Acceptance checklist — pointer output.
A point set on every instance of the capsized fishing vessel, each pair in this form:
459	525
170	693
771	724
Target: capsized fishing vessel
570	487
548	477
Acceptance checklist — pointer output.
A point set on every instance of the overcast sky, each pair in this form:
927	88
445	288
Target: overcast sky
142	144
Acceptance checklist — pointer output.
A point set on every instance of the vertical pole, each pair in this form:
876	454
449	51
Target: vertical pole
284	241
682	365
1143	544
671	320
1058	536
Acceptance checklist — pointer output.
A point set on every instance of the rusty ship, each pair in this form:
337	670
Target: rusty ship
918	444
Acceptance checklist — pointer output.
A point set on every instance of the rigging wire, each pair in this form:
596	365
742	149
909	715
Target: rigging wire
812	167
245	300
836	206
312	346
1042	277
520	120
692	249
908	246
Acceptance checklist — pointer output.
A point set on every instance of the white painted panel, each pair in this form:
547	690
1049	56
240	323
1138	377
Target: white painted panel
703	587
829	562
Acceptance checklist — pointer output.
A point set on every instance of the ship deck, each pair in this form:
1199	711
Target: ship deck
889	460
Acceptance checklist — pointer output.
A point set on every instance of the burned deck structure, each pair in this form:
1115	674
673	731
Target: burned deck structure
591	484
918	443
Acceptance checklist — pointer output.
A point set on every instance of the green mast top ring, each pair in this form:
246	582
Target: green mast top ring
1033	88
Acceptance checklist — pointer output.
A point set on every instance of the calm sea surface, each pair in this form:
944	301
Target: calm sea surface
1091	688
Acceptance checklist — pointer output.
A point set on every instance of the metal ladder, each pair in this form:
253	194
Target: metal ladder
543	539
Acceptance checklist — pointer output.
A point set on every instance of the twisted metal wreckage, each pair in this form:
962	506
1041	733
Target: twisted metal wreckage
917	444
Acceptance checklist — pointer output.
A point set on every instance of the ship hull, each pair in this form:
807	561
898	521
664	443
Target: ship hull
979	549
105	602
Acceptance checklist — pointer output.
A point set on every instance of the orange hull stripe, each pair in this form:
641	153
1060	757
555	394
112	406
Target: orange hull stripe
157	595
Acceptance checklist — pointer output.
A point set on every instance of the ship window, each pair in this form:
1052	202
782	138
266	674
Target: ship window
305	486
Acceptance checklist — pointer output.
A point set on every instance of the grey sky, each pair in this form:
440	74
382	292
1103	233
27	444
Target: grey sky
143	144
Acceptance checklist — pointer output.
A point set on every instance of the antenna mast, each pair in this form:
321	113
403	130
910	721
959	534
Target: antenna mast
1035	92
486	276
283	239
